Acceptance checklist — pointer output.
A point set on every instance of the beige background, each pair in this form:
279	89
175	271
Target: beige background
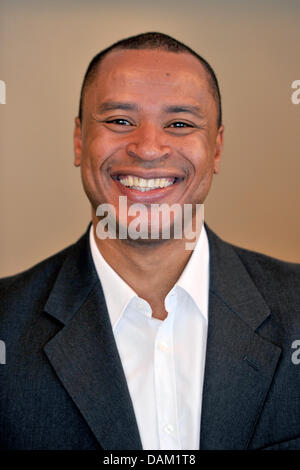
254	47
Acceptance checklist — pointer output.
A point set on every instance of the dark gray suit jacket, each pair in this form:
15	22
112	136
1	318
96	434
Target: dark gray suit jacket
63	385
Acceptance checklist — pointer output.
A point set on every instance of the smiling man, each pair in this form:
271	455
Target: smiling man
135	342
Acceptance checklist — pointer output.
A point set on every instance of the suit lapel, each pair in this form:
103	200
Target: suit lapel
240	364
84	354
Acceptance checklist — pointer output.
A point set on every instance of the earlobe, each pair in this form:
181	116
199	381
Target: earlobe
77	142
218	150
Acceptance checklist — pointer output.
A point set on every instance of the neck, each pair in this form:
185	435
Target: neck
150	269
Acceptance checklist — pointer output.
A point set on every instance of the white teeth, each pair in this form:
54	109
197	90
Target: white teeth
130	181
142	184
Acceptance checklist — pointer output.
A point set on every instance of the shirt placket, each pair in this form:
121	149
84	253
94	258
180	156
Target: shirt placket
165	385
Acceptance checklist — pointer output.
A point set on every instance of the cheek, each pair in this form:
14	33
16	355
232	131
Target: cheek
202	158
197	158
95	152
201	170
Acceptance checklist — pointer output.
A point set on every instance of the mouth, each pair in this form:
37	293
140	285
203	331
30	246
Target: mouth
137	183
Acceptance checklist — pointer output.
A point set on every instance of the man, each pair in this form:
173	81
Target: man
124	342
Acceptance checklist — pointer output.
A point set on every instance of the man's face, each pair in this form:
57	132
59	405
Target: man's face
149	130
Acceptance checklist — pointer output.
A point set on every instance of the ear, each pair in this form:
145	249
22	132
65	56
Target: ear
77	142
218	150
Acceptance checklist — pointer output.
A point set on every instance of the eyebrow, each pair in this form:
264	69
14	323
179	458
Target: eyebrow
171	109
114	105
184	108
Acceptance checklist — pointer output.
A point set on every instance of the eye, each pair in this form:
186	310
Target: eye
121	122
180	124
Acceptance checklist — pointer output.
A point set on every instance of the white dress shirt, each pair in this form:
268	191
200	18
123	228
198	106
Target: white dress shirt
163	360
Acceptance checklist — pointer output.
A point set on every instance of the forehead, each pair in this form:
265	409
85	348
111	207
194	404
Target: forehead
155	72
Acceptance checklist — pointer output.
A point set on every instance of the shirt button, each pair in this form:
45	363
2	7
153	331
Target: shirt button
168	428
163	346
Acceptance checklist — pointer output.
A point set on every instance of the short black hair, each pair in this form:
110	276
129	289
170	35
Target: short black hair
154	41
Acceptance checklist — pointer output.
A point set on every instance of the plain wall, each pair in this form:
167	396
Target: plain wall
45	47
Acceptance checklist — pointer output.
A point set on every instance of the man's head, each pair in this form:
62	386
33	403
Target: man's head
149	125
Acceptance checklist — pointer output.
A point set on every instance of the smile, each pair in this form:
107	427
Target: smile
145	184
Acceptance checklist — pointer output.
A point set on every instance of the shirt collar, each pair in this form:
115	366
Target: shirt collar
118	297
194	279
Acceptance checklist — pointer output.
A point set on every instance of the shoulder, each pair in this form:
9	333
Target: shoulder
30	289
259	265
37	274
269	270
277	281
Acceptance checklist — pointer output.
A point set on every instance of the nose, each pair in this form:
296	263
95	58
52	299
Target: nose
148	143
